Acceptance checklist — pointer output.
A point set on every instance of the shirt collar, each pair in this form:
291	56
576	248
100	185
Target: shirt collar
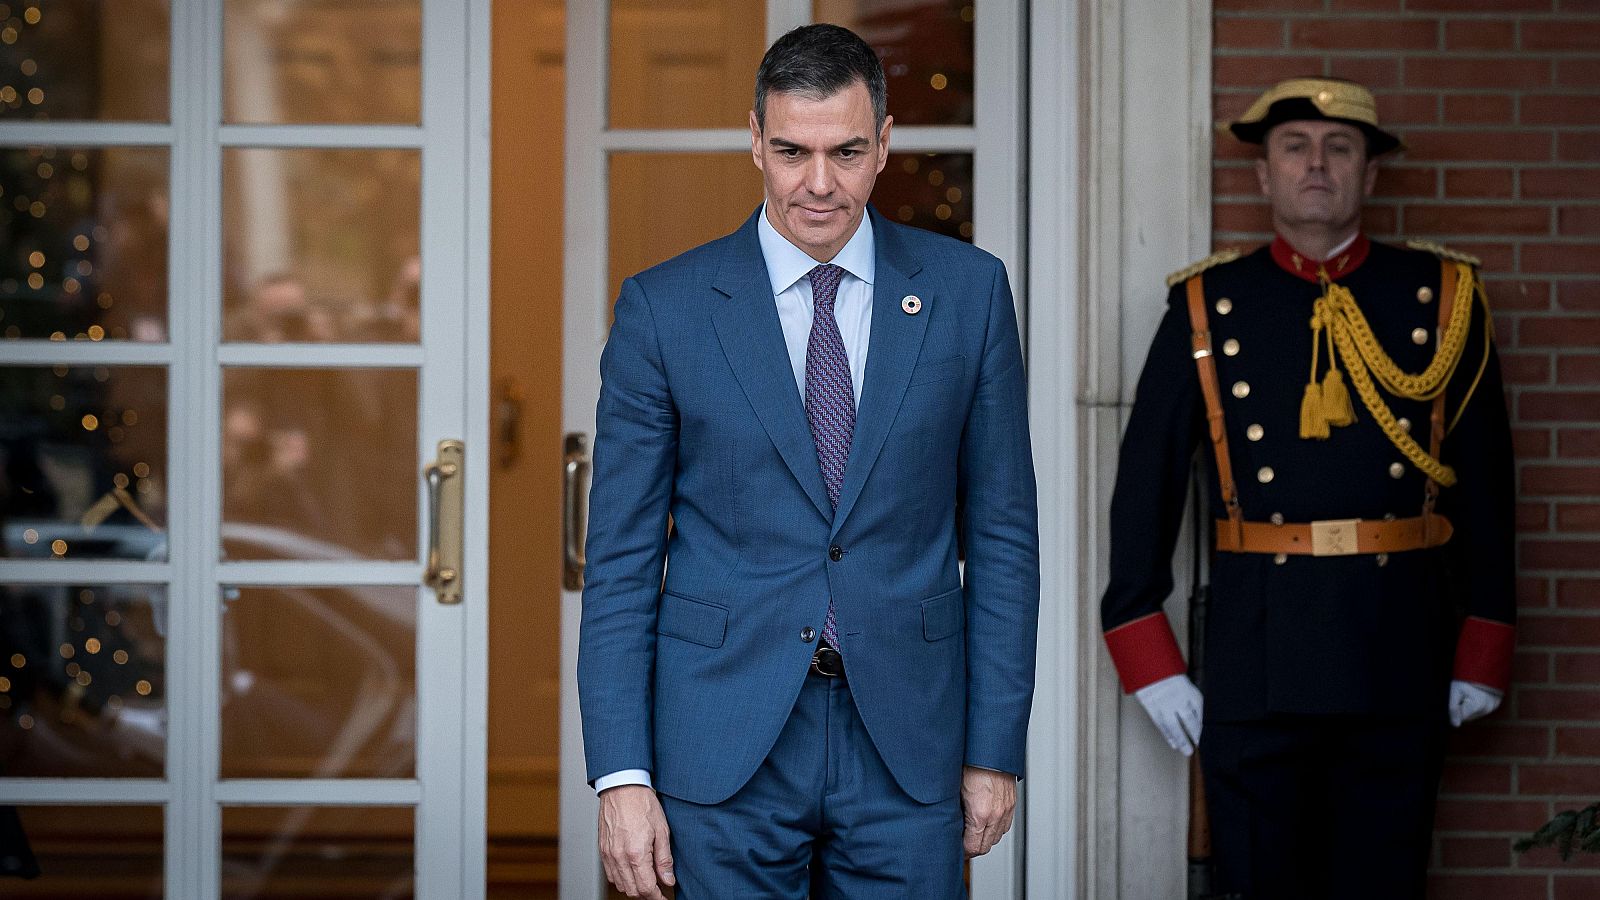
1345	258
787	264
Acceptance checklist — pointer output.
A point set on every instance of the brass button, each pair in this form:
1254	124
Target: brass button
1255	432
1405	424
1265	474
1224	306
1241	389
1424	294
1419	336
1277	518
1396	470
1324	98
1383	559
1230	347
1281	558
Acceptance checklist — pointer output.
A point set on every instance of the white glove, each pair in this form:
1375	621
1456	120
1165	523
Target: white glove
1470	701
1175	704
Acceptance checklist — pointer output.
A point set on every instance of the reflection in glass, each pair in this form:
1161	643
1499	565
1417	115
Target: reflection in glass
319	464
321	245
83	462
82	681
684	63
319	682
665	203
332	853
83	243
355	61
84	59
927	52
104	852
928	190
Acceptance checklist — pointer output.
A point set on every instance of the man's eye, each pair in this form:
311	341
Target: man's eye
789	153
849	154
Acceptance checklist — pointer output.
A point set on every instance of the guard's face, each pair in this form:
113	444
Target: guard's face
818	161
1316	174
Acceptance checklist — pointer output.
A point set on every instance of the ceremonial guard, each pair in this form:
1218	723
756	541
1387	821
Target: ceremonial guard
1348	399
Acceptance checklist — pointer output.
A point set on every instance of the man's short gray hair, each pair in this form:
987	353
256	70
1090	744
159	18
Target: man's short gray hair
816	62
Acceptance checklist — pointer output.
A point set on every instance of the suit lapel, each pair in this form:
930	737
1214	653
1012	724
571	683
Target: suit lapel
752	338
892	353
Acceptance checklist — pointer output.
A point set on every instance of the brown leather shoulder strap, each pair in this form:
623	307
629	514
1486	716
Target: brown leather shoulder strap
1206	364
1447	300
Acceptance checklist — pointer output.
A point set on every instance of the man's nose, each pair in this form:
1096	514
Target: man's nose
819	176
1318	159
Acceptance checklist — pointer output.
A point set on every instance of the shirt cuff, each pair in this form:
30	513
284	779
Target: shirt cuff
1144	651
1483	653
618	779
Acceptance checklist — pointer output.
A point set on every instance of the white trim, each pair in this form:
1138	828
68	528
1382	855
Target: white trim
784	16
90	134
318	356
905	139
76	791
322	792
323	137
314	574
86	353
111	571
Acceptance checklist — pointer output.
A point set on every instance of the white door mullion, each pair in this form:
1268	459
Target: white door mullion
86	134
321	792
86	353
111	571
364	137
88	792
318	356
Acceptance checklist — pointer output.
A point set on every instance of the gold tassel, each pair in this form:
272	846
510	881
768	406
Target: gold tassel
1313	418
1336	407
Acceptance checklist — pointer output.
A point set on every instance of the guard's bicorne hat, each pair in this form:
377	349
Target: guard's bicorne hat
1328	99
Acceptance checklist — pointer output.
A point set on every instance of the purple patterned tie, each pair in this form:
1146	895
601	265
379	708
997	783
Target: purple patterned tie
830	397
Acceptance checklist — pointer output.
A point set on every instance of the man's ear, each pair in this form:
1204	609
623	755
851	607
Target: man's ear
883	142
1261	174
1371	178
755	140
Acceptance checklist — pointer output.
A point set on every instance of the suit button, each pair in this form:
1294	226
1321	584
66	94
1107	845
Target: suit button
836	553
808	634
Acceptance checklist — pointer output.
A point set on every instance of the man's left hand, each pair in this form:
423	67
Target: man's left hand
988	798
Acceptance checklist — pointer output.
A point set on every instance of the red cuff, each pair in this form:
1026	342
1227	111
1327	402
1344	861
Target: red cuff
1144	651
1483	654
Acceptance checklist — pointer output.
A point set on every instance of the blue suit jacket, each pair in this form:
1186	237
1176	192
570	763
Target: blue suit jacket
690	653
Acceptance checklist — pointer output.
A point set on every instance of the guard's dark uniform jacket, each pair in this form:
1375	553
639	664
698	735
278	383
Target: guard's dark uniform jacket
1374	634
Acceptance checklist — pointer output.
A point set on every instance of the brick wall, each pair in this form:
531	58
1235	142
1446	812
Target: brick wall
1500	103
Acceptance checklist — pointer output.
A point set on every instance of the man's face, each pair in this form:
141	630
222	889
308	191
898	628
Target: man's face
1316	174
818	161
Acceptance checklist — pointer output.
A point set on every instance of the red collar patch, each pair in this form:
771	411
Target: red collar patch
1295	263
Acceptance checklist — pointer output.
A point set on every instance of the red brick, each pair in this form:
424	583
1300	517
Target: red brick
1552	703
1241	217
1485	6
1479	145
1262	71
1523	368
1559	34
1530	668
1578	517
1578	668
1531	443
1476	778
1272	5
1530	295
1226	148
1580	220
1578	369
1375	73
1560	480
1364	34
1494	740
1547	554
1405	181
1495	257
1408	109
1234	33
1579	443
1532	518
1571	258
1377	220
1561	780
1580	295
1365	5
1578	593
1578	146
1559	331
1502	73
1491	815
1487	887
1578	742
1559	184
1461	183
1476	34
1230	105
1474	853
1578	72
1532	592
1561	109
1455	219
1479	109
1235	181
1575	886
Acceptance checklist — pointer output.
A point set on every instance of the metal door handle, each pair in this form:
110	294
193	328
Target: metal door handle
446	515
574	510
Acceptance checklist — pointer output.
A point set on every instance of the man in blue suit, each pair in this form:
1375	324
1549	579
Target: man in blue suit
830	411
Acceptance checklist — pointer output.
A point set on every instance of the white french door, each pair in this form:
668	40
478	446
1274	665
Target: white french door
658	161
243	304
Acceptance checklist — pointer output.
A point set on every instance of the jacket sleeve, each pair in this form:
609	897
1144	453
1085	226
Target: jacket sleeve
1482	507
635	452
1164	427
1000	522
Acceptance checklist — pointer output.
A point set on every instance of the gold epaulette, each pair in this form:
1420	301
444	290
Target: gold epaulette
1444	252
1215	259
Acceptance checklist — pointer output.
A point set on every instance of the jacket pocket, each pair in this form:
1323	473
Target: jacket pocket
695	621
943	615
938	371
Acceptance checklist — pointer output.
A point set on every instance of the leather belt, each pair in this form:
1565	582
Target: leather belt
827	662
1334	537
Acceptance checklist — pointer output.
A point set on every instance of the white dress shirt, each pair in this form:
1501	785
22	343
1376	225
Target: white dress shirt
787	267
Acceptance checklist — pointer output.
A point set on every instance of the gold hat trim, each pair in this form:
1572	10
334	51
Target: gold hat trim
1335	99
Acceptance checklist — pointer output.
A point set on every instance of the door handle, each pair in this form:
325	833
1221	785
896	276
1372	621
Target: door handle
574	510
446	516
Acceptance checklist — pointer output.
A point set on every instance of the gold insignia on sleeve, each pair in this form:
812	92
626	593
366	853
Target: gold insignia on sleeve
1444	252
1215	259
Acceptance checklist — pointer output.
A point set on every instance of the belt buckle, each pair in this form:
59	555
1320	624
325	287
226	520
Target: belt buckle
1335	537
827	662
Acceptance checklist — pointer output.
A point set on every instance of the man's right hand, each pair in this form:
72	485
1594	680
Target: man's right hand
634	842
1175	705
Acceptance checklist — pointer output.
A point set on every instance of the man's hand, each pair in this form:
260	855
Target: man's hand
1175	705
988	798
634	843
1470	701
